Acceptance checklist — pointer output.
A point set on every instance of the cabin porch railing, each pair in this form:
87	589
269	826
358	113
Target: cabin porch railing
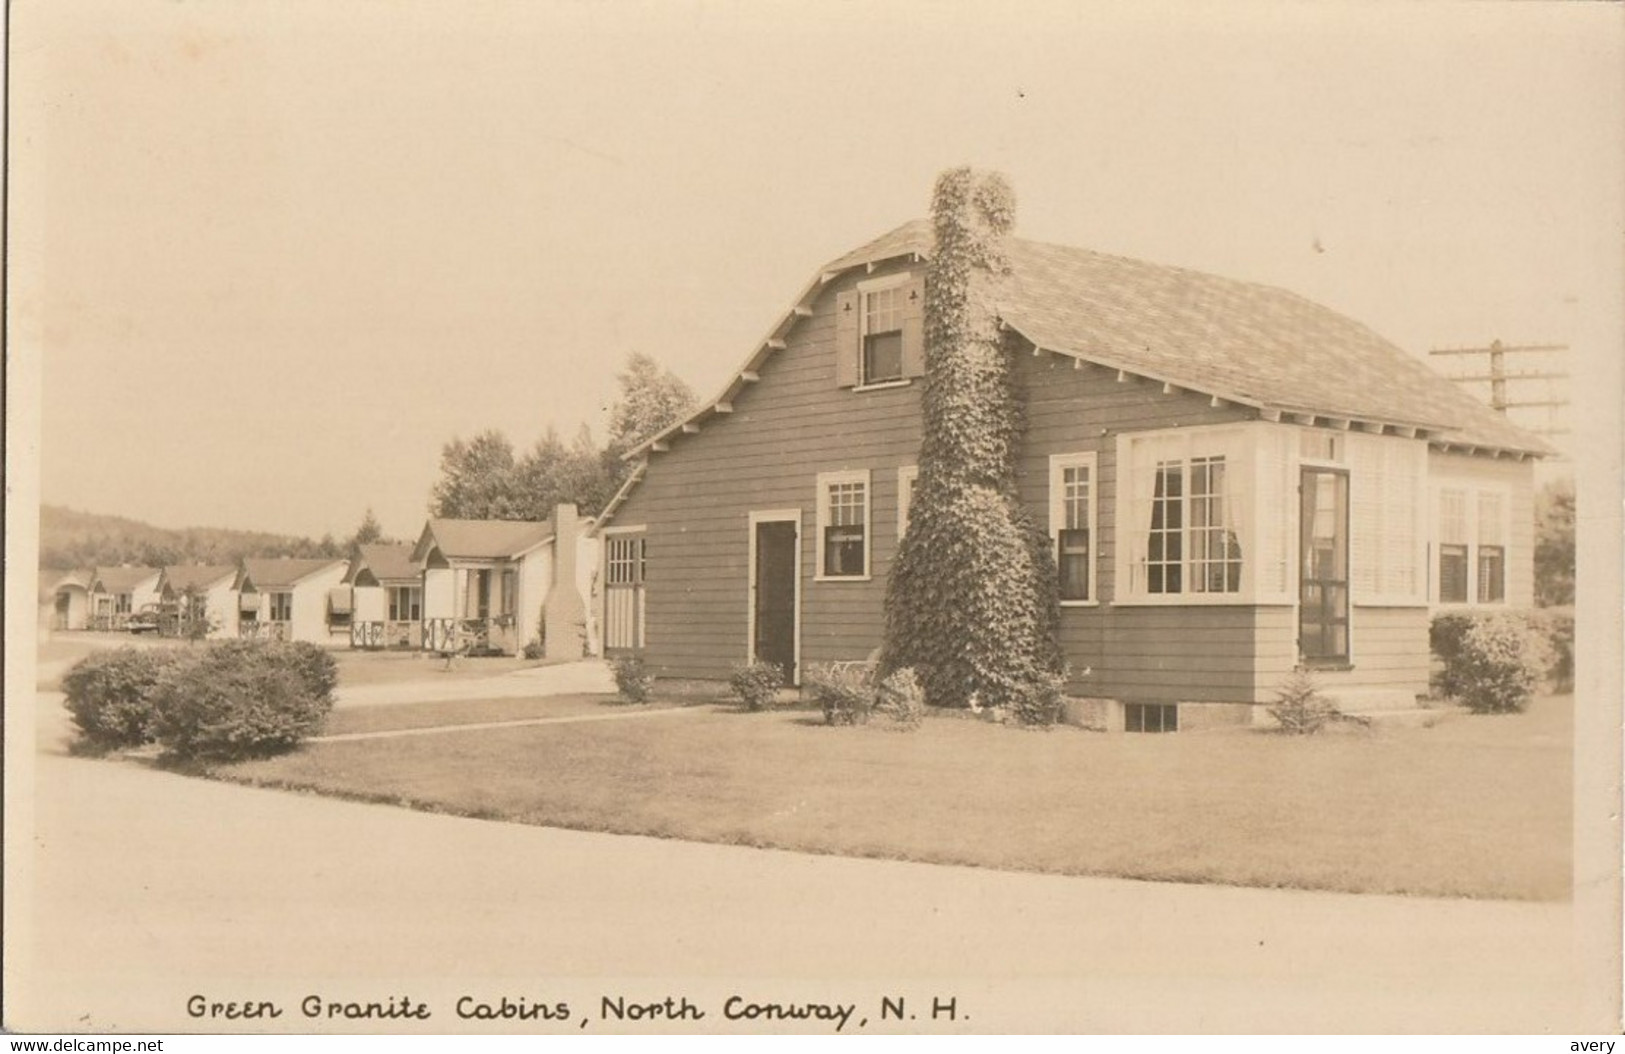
446	635
266	630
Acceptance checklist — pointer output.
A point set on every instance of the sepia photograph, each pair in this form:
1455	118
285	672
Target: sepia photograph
717	517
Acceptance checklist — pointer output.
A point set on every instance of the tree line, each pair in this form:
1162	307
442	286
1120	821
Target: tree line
483	478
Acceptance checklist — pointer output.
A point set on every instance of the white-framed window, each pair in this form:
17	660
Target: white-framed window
1492	552
624	559
882	322
1212	514
879	339
907	476
281	604
405	603
1184	509
626	554
843	525
1072	499
1471	527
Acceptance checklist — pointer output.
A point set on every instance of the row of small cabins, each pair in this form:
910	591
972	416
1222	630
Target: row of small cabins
484	585
1237	482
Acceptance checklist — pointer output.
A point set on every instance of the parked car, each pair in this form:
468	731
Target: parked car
143	621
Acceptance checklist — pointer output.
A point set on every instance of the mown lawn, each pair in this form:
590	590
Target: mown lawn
357	668
1474	806
399	716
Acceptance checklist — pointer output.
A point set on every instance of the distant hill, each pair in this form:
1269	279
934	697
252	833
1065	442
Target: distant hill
70	538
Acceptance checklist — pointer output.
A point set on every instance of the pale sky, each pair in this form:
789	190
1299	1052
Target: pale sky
274	254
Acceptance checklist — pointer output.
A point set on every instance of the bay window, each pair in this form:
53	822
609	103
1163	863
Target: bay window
1185	503
1216	515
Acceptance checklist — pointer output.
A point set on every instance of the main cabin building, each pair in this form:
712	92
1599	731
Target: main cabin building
1237	481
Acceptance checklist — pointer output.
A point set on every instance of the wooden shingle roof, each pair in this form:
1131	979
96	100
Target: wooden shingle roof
481	539
1248	343
386	563
281	572
181	577
121	579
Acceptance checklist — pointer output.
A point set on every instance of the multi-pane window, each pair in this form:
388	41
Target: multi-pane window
1492	553
1184	510
1470	543
1165	546
1215	559
1151	717
405	603
624	560
1072	524
883	335
281	607
121	604
843	525
1452	546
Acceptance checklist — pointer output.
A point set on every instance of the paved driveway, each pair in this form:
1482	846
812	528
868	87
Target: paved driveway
144	888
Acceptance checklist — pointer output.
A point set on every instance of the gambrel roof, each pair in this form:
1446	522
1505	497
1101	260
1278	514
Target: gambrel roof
481	539
1240	342
384	563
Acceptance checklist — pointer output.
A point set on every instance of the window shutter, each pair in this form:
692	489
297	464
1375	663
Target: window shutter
846	339
1274	499
1403	499
914	328
1367	484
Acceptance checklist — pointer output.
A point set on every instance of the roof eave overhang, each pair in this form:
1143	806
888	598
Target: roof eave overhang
1218	396
774	341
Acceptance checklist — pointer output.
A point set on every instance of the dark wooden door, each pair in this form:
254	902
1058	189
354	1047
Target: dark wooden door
775	586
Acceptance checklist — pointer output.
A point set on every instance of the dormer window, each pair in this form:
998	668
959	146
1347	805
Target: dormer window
879	332
883	335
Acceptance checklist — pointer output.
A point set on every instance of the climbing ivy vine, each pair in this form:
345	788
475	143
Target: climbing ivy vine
971	599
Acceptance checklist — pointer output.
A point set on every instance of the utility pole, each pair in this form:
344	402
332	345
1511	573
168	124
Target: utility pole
1502	381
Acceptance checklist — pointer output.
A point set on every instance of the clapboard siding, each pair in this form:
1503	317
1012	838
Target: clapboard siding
696	500
1139	653
1389	646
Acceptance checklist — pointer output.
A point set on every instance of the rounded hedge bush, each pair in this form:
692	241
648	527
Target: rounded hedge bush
756	684
110	694
633	679
1501	664
244	699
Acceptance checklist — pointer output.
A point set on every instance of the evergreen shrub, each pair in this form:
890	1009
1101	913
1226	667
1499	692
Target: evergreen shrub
1300	708
843	690
756	684
244	699
901	700
1494	661
110	695
633	679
